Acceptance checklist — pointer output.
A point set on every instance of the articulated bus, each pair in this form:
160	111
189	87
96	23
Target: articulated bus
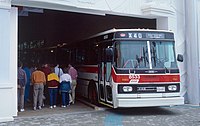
129	68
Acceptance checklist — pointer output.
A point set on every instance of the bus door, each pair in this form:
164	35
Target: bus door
105	90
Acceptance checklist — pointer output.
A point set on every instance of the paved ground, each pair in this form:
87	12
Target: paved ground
77	107
81	115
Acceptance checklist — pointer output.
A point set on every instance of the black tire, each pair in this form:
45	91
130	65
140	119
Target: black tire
92	93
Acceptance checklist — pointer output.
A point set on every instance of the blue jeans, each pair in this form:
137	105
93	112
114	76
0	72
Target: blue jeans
65	98
53	96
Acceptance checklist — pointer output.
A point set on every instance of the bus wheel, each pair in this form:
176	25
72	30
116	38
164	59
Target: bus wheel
92	94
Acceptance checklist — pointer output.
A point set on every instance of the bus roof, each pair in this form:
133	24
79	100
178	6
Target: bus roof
128	30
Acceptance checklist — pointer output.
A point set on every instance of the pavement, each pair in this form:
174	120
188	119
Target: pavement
81	114
77	107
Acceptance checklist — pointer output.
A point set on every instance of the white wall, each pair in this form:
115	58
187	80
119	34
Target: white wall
192	53
8	64
198	32
101	7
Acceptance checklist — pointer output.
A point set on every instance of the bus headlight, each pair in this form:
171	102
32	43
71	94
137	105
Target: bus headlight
172	87
127	88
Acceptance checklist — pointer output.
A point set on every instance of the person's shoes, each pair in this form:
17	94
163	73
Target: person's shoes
34	108
51	107
43	105
63	106
54	106
22	110
39	107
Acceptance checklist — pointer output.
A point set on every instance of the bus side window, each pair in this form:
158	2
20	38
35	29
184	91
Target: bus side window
108	71
102	71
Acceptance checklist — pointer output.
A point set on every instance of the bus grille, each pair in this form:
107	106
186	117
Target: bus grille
147	88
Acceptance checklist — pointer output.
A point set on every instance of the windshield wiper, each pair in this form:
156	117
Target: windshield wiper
166	70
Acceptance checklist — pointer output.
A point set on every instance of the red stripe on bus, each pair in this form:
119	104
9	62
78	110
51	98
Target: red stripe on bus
137	78
88	69
159	78
144	78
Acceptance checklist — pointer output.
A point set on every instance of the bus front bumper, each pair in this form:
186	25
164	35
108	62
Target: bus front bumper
149	102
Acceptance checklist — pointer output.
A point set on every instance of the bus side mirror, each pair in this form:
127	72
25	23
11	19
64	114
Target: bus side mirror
180	58
109	54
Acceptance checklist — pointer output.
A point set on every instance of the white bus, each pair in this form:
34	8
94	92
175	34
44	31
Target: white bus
128	68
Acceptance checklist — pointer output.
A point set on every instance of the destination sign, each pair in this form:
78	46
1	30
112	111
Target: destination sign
144	35
155	35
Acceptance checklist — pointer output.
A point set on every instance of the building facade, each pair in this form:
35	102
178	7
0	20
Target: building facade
180	16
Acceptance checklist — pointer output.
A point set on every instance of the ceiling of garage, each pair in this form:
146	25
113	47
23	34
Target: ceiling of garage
56	27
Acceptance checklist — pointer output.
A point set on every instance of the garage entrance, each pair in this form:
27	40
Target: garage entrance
42	32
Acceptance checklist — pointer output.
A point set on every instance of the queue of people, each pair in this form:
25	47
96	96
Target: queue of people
54	84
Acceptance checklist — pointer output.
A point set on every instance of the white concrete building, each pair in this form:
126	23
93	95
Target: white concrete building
180	16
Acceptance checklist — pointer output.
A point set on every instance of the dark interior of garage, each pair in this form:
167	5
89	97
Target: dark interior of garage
39	34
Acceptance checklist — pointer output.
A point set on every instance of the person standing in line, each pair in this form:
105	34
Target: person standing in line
47	70
22	80
32	69
27	87
52	83
38	80
58	70
73	73
65	87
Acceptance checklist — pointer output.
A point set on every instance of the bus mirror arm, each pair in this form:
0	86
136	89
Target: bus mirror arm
180	58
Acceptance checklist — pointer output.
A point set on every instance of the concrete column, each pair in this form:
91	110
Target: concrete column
198	14
8	64
192	51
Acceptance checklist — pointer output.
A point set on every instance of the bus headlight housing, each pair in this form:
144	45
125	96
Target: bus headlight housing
127	89
172	88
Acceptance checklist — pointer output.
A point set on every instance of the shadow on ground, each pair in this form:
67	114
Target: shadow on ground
143	111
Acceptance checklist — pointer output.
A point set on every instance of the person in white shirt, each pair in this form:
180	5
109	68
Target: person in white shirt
65	87
58	70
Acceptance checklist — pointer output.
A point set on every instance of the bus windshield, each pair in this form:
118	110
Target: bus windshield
134	54
163	54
